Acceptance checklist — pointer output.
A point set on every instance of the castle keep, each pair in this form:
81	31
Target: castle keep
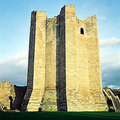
64	66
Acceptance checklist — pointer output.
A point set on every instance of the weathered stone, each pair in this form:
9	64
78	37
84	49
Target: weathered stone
11	96
112	98
64	66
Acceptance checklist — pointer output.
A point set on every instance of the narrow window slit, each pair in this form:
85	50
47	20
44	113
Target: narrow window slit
82	31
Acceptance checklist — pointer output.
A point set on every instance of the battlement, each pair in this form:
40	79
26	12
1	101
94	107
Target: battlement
5	83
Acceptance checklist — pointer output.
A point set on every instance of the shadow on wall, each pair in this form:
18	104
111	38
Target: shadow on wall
15	103
61	64
30	62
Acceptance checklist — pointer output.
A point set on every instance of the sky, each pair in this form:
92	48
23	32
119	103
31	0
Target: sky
15	27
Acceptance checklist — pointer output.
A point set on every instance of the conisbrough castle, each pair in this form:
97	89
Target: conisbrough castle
64	71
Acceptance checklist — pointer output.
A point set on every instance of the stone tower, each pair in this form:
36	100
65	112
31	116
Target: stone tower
64	71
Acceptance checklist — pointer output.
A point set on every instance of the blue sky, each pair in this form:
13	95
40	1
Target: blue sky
14	35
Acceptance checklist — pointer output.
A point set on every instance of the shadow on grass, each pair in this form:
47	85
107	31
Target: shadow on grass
59	116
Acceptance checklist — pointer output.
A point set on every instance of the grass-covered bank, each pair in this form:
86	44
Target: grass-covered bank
59	116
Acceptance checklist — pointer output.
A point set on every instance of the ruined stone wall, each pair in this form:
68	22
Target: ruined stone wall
11	96
5	93
17	96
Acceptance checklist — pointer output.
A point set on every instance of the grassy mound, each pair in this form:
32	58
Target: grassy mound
59	116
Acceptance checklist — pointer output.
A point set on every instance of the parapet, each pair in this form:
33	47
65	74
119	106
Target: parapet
92	19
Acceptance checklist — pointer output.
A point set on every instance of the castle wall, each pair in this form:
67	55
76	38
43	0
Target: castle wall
61	63
50	70
49	100
82	57
4	94
83	73
71	59
94	64
39	62
11	96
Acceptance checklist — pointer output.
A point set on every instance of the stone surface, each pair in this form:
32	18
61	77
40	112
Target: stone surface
36	65
64	71
11	96
112	97
4	94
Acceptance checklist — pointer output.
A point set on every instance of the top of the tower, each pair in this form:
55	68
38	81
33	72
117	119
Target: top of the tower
68	9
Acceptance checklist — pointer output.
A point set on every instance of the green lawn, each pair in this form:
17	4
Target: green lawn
59	116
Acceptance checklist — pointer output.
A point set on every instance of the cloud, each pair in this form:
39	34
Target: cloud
14	69
113	87
109	42
101	17
110	63
110	57
85	5
111	76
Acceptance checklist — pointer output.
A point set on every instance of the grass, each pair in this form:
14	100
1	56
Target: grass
59	116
